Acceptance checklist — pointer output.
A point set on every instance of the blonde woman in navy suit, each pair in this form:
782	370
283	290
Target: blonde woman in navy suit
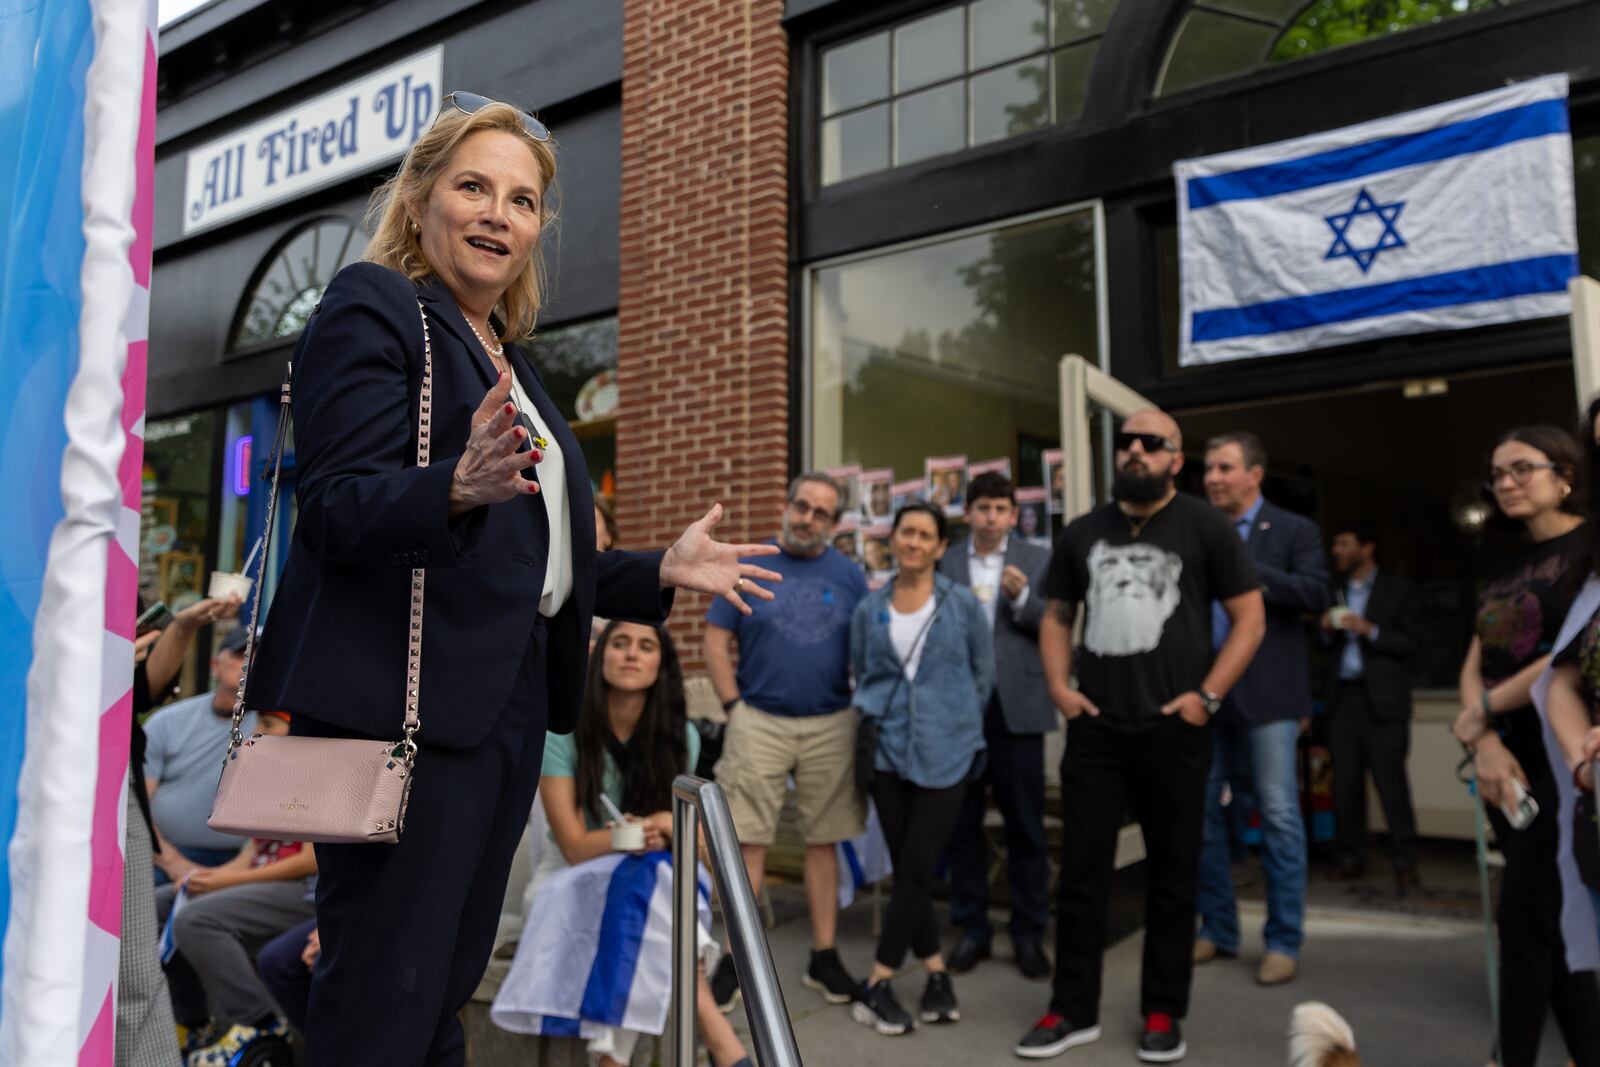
503	521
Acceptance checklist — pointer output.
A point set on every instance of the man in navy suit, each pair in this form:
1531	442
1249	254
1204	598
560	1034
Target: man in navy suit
1006	573
1372	631
1259	726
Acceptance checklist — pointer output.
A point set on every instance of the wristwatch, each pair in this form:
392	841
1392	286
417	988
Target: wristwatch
727	705
1210	701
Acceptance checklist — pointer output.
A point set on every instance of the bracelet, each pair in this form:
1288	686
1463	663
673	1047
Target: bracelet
1484	700
727	705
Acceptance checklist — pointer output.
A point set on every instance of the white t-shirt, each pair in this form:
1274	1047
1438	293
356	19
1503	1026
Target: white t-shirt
905	628
553	491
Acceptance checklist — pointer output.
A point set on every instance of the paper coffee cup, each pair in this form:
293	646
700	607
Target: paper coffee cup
225	584
1337	615
627	837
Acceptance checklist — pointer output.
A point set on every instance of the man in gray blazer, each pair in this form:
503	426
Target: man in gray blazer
1007	575
1256	734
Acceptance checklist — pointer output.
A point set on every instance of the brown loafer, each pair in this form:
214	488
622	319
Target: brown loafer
1276	969
1206	950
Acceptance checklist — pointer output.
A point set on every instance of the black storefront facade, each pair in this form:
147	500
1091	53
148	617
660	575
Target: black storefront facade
979	188
231	295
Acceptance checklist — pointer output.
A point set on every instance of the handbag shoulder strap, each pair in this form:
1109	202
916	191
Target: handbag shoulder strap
900	676
413	686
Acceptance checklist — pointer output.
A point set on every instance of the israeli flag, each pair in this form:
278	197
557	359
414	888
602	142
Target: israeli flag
864	860
596	951
1446	218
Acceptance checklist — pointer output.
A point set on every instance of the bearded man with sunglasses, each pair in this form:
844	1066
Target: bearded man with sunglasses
1146	568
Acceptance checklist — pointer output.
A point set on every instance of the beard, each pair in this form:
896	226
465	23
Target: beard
800	544
1136	487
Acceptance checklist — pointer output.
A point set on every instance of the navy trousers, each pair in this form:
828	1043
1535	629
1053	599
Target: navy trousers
1015	774
407	929
285	974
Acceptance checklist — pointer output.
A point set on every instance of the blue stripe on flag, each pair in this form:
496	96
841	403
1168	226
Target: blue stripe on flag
1528	121
555	1026
633	883
1521	277
858	877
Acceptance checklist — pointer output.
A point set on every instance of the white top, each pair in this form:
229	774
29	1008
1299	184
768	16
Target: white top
904	630
557	506
984	572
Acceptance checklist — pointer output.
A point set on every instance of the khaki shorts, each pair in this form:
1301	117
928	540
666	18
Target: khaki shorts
759	753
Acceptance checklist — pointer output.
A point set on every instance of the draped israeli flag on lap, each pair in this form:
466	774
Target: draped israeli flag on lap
596	950
1450	217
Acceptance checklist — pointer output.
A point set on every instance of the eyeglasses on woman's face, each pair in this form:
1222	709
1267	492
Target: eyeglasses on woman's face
472	103
1519	473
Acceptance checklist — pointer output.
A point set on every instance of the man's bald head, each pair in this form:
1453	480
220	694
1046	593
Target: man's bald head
1154	420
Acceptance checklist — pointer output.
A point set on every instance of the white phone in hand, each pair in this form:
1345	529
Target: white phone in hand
1520	808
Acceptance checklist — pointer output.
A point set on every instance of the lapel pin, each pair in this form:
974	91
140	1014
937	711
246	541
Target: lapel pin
1264	525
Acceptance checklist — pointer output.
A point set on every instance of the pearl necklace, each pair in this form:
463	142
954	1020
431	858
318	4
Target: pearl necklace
498	351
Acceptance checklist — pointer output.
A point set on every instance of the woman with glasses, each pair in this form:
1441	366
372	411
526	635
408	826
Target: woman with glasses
497	516
1522	603
923	659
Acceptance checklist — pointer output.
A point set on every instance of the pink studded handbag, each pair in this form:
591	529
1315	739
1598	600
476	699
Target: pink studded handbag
327	790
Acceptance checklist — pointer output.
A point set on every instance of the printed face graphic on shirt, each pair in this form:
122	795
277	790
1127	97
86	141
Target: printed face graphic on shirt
1133	591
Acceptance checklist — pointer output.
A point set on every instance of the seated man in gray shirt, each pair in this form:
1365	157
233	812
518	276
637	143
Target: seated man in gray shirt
183	759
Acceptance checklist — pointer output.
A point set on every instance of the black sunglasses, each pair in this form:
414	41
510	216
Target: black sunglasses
472	103
1150	442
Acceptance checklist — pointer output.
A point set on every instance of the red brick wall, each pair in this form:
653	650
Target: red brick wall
703	315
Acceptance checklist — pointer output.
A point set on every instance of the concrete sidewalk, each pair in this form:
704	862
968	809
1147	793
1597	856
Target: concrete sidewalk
1412	988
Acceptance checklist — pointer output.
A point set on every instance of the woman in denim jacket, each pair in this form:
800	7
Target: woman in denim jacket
923	659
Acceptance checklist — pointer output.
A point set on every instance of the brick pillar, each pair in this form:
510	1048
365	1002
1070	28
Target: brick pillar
703	307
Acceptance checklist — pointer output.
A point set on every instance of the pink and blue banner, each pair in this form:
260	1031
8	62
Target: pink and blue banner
77	135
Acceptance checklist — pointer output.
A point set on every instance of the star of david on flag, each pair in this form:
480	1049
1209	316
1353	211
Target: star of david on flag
1388	236
1446	218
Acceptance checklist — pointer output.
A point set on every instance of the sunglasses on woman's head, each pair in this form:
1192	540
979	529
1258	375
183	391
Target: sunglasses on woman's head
472	103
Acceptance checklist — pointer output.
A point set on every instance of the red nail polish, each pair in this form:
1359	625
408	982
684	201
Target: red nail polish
516	432
511	409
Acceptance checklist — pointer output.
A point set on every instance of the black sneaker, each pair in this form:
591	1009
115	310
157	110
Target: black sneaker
1053	1035
939	1000
827	976
876	1006
725	984
1162	1041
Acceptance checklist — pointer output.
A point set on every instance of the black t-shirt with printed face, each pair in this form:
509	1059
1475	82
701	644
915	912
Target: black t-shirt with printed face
1147	602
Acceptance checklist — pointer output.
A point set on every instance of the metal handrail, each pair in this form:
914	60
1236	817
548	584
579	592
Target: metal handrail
752	960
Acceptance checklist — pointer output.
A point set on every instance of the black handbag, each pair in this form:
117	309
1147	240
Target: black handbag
867	728
1586	840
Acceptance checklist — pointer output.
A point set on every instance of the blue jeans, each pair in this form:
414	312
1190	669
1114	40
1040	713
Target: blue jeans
1267	752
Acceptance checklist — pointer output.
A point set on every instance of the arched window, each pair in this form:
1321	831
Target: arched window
1218	39
291	281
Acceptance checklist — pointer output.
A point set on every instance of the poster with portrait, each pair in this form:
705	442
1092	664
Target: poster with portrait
1033	515
1055	480
847	539
947	483
875	554
998	466
849	479
877	498
903	493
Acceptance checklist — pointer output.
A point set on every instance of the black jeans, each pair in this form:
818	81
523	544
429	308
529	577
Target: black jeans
1159	774
916	825
407	929
1015	774
1533	956
1360	742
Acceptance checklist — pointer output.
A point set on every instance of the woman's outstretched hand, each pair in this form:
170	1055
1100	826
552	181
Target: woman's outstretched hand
490	470
699	563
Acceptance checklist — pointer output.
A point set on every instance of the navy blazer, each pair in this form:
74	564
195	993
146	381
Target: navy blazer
1395	607
1019	673
1286	551
334	646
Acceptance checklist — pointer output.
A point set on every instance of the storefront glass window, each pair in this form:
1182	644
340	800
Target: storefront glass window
951	347
578	364
175	514
1586	164
1219	39
290	284
965	76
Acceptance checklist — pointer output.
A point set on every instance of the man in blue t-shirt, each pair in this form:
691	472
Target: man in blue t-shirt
789	713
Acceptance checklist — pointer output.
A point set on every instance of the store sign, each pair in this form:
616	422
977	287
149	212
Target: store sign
351	130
